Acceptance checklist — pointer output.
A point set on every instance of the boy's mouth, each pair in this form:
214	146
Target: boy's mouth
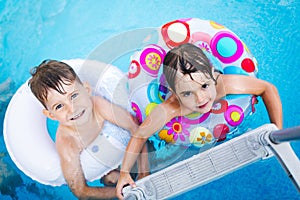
78	115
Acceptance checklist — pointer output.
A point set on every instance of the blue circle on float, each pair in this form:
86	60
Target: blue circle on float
226	47
235	70
153	92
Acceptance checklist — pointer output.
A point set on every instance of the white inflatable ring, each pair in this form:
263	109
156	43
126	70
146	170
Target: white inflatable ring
228	54
27	139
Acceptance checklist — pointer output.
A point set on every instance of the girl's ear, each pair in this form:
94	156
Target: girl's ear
214	73
88	87
170	89
48	114
213	70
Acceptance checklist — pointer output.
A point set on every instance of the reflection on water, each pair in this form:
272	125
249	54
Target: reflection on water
9	178
6	91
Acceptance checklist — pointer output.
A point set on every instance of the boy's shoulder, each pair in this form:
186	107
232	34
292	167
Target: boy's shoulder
100	102
67	141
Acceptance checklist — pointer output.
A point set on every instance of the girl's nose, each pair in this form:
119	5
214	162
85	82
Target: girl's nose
199	97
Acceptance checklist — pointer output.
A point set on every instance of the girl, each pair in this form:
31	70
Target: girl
195	86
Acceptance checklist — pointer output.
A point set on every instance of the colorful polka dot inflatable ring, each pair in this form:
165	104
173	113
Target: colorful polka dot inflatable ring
227	53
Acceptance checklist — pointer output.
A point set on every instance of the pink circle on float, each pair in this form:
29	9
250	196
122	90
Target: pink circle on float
137	111
223	35
234	115
151	60
185	19
202	118
200	36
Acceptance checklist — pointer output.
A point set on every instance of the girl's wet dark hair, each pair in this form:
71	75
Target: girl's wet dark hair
50	74
188	59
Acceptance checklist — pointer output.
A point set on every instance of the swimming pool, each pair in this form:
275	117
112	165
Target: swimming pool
33	31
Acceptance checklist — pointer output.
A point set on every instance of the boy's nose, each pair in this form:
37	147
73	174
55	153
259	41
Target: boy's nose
70	107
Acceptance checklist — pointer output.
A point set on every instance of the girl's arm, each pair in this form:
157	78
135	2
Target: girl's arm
154	121
237	84
143	163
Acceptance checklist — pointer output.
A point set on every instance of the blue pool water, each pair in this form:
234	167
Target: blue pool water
31	31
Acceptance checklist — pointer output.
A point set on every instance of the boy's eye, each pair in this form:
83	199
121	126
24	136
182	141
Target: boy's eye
59	106
74	96
205	85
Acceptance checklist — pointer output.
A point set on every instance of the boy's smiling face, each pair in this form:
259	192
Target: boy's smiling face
197	95
73	107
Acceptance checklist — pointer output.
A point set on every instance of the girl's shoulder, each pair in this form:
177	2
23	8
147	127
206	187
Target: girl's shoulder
173	107
171	103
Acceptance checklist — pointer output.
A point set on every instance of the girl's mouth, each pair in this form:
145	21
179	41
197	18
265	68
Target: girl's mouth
202	106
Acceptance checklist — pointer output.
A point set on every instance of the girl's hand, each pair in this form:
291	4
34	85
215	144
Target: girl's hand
123	181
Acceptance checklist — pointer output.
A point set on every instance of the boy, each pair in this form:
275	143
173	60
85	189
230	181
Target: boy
81	118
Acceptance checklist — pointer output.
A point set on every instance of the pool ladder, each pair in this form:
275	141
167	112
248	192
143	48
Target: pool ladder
261	143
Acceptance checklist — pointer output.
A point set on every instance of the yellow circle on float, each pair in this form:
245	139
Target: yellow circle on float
216	25
193	115
153	61
149	108
235	116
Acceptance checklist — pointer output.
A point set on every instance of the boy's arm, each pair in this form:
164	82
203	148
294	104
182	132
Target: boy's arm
235	84
69	152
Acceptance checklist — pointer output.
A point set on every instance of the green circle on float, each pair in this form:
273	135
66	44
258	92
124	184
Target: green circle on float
226	47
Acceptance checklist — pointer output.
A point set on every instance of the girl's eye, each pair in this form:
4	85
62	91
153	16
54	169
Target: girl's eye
205	85
59	106
74	96
186	94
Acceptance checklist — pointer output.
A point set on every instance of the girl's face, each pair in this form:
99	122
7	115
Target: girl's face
196	95
73	107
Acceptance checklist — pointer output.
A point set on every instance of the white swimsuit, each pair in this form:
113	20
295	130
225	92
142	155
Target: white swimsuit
105	153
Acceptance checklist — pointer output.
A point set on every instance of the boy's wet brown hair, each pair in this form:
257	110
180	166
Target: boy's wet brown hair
50	74
188	59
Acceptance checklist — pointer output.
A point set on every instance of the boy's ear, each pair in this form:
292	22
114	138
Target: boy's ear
48	114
